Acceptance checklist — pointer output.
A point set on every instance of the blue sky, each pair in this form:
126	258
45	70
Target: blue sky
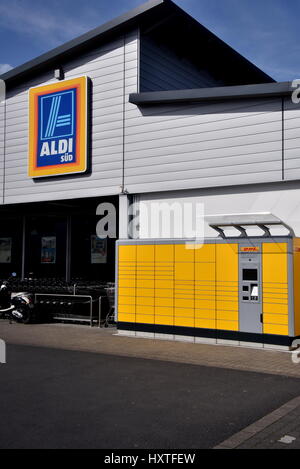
265	31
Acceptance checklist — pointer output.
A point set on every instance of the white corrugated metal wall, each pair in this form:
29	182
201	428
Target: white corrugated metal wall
162	148
113	70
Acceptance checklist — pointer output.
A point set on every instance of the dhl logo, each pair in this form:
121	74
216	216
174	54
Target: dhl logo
250	249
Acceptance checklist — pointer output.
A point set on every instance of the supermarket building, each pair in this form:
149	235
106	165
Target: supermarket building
163	111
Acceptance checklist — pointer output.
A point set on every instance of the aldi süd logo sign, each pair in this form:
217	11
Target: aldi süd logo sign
58	128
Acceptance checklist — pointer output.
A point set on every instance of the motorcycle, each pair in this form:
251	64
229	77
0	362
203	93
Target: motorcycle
16	306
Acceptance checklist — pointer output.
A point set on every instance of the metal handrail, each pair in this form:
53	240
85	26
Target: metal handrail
70	296
99	310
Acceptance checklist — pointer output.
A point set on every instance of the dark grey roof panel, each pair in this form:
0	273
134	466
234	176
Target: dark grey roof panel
213	94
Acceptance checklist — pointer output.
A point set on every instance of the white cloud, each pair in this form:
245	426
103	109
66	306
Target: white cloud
5	68
40	23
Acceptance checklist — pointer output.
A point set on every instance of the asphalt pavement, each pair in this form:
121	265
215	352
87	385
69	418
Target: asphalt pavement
52	398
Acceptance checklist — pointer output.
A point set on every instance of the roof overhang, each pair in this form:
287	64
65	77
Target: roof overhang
265	90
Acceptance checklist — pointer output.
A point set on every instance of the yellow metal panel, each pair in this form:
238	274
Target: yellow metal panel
127	266
164	320
227	262
145	253
164	311
142	283
205	304
127	274
280	288
164	253
205	313
275	248
205	323
184	303
228	284
128	309
163	278
205	286
145	301
144	268
275	263
184	322
126	291
228	325
145	274
184	271
227	276
145	292
227	298
275	297
182	254
127	254
124	317
126	282
126	300
145	318
164	302
228	315
223	291
184	285
184	293
164	274
296	257
184	312
225	305
164	293
276	329
206	253
205	272
168	284
275	308
276	319
144	309
205	295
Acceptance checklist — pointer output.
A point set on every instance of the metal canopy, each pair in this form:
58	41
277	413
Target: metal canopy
240	222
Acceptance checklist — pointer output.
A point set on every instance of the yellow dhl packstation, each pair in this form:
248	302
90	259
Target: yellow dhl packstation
244	290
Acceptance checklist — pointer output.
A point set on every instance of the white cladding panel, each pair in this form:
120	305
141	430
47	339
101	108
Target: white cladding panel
2	146
162	148
195	145
280	201
112	67
291	140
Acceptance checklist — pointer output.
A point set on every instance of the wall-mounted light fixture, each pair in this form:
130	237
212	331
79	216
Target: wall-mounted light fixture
59	74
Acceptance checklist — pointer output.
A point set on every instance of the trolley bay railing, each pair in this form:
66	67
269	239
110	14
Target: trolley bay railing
62	310
84	301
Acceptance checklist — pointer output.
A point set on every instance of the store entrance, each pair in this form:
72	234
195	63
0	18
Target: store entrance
52	249
61	242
